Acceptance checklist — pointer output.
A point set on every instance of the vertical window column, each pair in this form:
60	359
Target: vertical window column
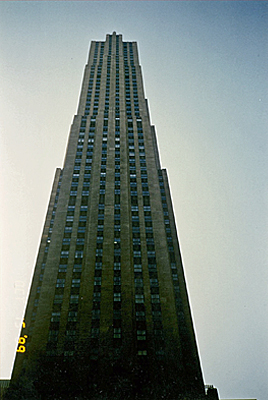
136	243
173	266
151	256
39	287
95	321
117	318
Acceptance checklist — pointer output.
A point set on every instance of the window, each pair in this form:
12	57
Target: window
95	314
155	298
58	298
77	268
76	283
139	298
137	268
74	298
117	280
71	333
68	353
97	281
117	266
53	336
55	317
95	332
60	283
142	353
156	315
117	333
117	296
78	254
141	335
72	316
96	296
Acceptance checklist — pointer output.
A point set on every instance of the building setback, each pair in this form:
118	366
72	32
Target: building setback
108	314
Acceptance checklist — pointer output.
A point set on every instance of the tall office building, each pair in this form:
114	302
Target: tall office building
108	313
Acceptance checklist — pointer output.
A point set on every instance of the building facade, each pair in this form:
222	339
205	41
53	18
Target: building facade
108	304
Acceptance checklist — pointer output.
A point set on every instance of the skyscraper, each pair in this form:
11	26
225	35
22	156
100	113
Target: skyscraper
108	313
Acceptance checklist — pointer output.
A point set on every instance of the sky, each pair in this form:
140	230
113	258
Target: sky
205	69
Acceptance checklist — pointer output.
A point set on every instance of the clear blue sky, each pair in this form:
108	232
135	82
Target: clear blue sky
205	72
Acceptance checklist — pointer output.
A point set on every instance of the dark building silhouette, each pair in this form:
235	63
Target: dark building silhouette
108	314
